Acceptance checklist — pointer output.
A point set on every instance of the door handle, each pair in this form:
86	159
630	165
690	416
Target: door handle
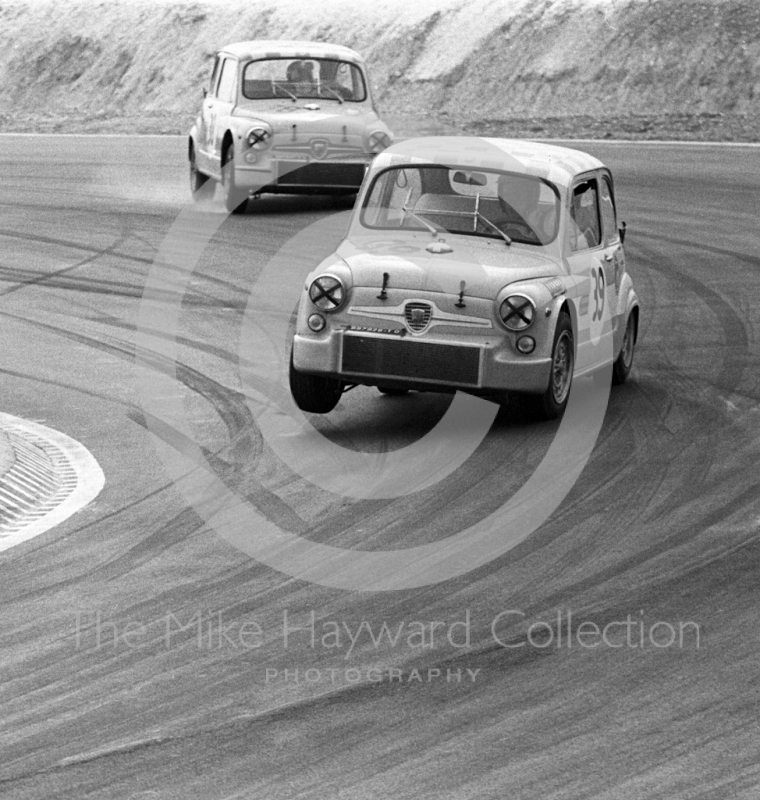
608	257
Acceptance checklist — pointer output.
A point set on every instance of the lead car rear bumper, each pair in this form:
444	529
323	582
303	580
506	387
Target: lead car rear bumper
416	364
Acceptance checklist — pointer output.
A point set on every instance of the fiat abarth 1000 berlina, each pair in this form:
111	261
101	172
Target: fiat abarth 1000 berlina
492	267
293	117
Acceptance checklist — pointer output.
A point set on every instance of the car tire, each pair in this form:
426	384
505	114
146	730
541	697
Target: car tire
392	392
621	369
554	399
235	200
201	186
314	394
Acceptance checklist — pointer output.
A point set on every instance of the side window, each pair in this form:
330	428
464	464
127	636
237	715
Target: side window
391	190
226	91
609	219
214	76
586	232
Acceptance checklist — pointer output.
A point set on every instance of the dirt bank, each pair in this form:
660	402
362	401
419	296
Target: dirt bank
637	68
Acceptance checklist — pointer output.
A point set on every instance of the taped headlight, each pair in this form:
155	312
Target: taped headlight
259	137
379	141
327	292
517	312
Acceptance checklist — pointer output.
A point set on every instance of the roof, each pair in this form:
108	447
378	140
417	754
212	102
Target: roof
557	164
275	48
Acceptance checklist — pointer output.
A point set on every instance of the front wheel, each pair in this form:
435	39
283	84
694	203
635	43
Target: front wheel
621	369
235	200
314	394
554	399
201	187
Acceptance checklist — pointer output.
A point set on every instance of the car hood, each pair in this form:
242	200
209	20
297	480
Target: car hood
283	116
485	269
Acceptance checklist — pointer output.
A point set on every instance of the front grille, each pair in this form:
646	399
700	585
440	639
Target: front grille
320	174
424	361
417	316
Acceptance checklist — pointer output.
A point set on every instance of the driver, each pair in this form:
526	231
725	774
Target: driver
301	75
518	200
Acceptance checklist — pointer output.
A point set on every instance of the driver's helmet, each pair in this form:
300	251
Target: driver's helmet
294	71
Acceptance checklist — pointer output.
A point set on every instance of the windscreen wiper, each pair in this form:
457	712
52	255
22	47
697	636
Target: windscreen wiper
332	92
288	93
495	227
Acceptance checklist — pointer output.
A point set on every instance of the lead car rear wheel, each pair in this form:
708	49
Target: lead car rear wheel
313	393
553	401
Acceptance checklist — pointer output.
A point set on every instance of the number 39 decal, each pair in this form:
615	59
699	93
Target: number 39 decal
597	275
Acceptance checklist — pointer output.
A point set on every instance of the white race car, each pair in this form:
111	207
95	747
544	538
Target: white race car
295	117
489	266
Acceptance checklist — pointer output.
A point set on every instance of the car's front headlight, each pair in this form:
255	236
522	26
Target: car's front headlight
259	137
517	312
379	141
327	292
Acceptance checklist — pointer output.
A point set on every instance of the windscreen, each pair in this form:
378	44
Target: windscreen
325	79
524	208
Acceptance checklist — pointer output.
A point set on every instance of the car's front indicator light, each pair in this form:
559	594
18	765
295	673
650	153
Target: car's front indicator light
327	293
316	323
526	344
517	312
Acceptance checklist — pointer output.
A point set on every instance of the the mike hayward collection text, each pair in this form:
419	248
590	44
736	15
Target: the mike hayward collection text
508	628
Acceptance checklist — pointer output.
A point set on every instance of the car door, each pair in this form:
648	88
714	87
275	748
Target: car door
614	257
586	250
205	144
224	102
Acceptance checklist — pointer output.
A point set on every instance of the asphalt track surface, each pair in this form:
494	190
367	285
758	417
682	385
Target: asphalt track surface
663	526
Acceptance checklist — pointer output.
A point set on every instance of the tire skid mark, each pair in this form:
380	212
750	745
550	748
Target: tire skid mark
70	387
734	327
680	534
734	255
691	471
99	286
33	278
71	245
243	448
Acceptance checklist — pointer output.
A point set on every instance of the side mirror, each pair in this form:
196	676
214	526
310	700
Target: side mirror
621	230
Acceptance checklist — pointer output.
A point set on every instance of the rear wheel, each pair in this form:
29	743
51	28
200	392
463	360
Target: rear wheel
314	394
554	399
235	200
621	369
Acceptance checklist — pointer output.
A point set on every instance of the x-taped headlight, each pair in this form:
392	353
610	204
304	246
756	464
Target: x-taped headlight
327	292
379	141
259	137
517	312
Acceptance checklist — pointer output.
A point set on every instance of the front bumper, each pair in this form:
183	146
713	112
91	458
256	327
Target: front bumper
435	364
